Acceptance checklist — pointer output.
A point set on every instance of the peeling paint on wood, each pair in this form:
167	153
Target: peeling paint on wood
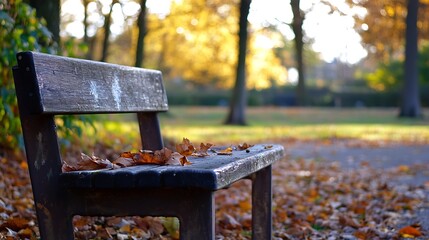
117	92
93	88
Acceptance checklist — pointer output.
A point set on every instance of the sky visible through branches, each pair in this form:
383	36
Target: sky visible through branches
333	34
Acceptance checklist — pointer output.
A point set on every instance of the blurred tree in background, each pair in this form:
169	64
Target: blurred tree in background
238	101
383	26
410	104
392	32
297	22
50	11
142	31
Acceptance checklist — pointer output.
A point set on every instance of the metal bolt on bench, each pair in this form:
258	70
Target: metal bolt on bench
47	85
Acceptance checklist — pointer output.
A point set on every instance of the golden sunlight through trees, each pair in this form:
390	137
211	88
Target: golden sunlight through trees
200	41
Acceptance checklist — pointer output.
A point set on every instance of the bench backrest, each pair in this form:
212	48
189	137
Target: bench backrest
47	85
62	85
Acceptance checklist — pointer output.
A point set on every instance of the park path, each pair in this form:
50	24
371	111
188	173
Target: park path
352	155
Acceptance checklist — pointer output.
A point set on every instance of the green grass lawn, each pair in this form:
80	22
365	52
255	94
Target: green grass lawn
204	124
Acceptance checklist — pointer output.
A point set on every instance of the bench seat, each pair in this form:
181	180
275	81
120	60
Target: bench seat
212	172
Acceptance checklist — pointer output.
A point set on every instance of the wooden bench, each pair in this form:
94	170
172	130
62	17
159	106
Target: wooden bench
48	85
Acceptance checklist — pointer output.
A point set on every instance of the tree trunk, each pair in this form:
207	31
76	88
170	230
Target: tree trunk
86	39
141	22
85	21
50	11
238	103
410	106
298	19
106	27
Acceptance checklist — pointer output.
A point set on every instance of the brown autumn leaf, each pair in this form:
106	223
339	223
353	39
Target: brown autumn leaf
244	146
360	235
185	148
68	168
409	232
80	222
162	156
226	151
93	163
150	224
348	221
177	159
15	224
229	222
202	151
127	155
26	233
143	157
184	161
174	159
148	157
124	162
87	163
245	205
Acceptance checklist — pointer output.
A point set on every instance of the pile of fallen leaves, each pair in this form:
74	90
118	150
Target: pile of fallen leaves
164	156
17	213
312	199
318	199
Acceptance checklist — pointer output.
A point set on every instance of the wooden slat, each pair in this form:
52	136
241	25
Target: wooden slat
68	85
218	171
211	173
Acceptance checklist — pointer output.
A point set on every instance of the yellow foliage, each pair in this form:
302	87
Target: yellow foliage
264	68
385	36
198	42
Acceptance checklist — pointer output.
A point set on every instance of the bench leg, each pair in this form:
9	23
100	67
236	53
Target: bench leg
261	204
56	226
197	217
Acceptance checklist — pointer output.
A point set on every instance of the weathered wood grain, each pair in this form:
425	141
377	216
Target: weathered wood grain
68	85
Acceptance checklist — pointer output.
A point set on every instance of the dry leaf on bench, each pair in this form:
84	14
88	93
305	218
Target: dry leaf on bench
226	151
144	157
184	161
88	163
244	146
93	163
124	162
159	157
185	148
202	151
175	159
68	168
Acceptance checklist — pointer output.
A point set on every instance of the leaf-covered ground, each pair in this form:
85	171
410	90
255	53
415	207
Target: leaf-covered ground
312	199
